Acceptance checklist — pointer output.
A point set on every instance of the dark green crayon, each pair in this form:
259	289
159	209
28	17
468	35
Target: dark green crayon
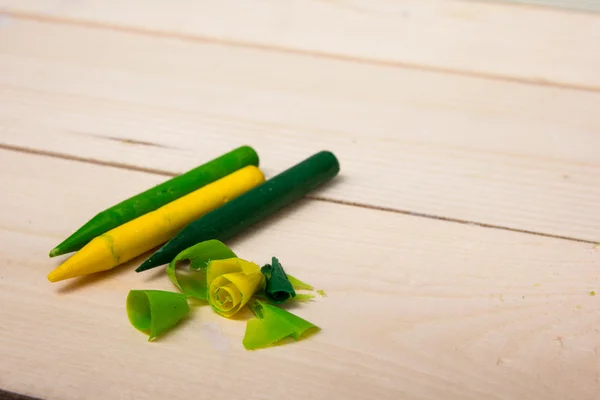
157	197
251	207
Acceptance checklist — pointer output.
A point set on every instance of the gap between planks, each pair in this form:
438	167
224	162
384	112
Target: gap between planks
160	172
50	19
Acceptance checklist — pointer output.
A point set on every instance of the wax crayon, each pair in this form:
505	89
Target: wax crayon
157	197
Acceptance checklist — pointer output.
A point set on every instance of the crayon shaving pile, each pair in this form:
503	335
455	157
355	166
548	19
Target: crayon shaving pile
190	216
228	283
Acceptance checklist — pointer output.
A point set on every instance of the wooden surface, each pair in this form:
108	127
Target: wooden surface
456	247
489	39
578	5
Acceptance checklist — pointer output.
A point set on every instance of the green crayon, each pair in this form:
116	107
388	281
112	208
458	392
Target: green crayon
157	197
251	207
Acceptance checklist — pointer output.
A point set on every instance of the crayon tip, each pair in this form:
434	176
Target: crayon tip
67	270
96	256
57	275
55	252
148	264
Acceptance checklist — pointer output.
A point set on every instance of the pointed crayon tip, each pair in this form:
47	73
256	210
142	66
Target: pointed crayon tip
56	275
96	256
146	265
55	252
155	260
65	271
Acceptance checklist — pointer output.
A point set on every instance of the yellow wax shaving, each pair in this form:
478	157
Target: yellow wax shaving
231	284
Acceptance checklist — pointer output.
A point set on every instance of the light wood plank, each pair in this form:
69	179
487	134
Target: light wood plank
492	39
511	155
416	308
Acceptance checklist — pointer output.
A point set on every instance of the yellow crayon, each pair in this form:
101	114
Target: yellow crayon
137	236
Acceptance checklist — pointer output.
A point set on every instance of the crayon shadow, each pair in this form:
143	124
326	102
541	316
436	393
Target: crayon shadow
83	282
285	212
265	223
157	273
335	182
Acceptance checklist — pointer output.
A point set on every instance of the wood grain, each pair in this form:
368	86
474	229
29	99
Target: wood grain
498	40
416	308
509	155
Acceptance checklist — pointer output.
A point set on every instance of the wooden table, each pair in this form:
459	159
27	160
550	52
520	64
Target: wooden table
456	247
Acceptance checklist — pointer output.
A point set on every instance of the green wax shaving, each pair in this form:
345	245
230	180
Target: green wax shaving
303	297
155	311
278	288
322	293
157	197
272	325
193	282
298	284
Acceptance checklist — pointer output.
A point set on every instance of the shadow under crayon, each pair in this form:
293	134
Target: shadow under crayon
285	212
157	273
